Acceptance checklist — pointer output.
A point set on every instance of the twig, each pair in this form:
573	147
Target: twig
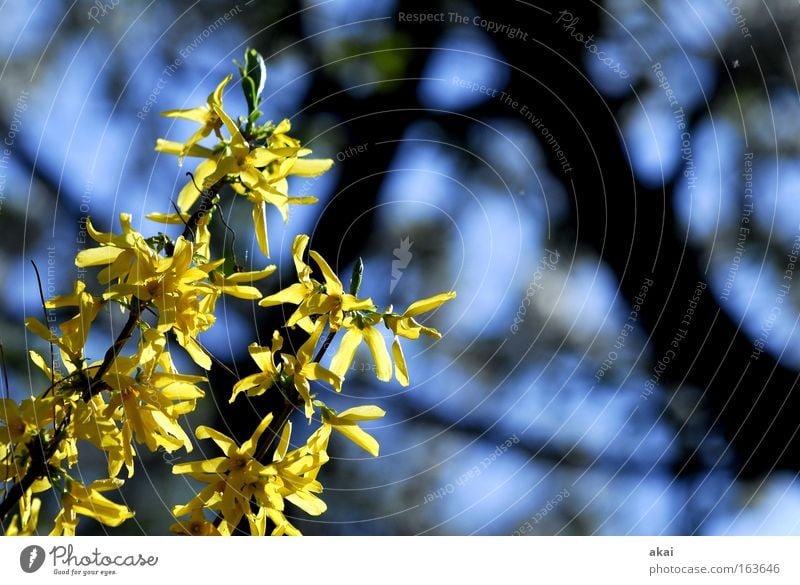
124	336
44	311
216	360
205	205
291	402
38	468
325	345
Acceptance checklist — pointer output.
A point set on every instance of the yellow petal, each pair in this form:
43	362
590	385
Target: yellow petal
260	223
200	115
261	157
262	356
380	355
334	285
177	148
249	293
224	442
283	127
250	276
360	437
366	412
190	191
314	371
294	294
298	249
169	218
103	510
306	351
204	466
347	350
351	303
309	503
400	367
215	98
428	304
310	167
97	256
283	445
236	137
195	352
253	384
249	446
35	326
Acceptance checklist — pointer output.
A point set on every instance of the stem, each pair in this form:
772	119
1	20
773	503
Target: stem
44	311
291	402
206	203
94	385
325	345
15	494
40	455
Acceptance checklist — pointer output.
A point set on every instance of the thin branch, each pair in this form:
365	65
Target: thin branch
216	360
325	345
40	454
124	336
44	312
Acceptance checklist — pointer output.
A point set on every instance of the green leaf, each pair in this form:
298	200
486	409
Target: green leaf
257	71
356	276
254	78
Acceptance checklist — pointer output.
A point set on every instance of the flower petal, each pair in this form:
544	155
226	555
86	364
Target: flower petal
380	355
428	304
347	350
310	167
360	437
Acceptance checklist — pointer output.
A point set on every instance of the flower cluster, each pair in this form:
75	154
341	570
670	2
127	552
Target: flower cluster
169	288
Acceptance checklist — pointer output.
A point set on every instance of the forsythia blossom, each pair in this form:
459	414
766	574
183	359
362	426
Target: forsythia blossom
168	287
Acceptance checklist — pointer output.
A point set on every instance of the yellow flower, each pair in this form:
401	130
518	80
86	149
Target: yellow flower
174	285
362	327
202	235
295	477
116	252
302	369
258	383
346	423
90	422
205	115
25	523
259	172
242	161
150	396
21	423
295	165
177	148
88	501
232	283
405	326
311	296
197	525
159	279
236	479
171	284
237	473
74	331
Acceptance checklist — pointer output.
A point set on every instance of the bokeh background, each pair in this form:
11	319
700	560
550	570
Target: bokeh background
611	187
